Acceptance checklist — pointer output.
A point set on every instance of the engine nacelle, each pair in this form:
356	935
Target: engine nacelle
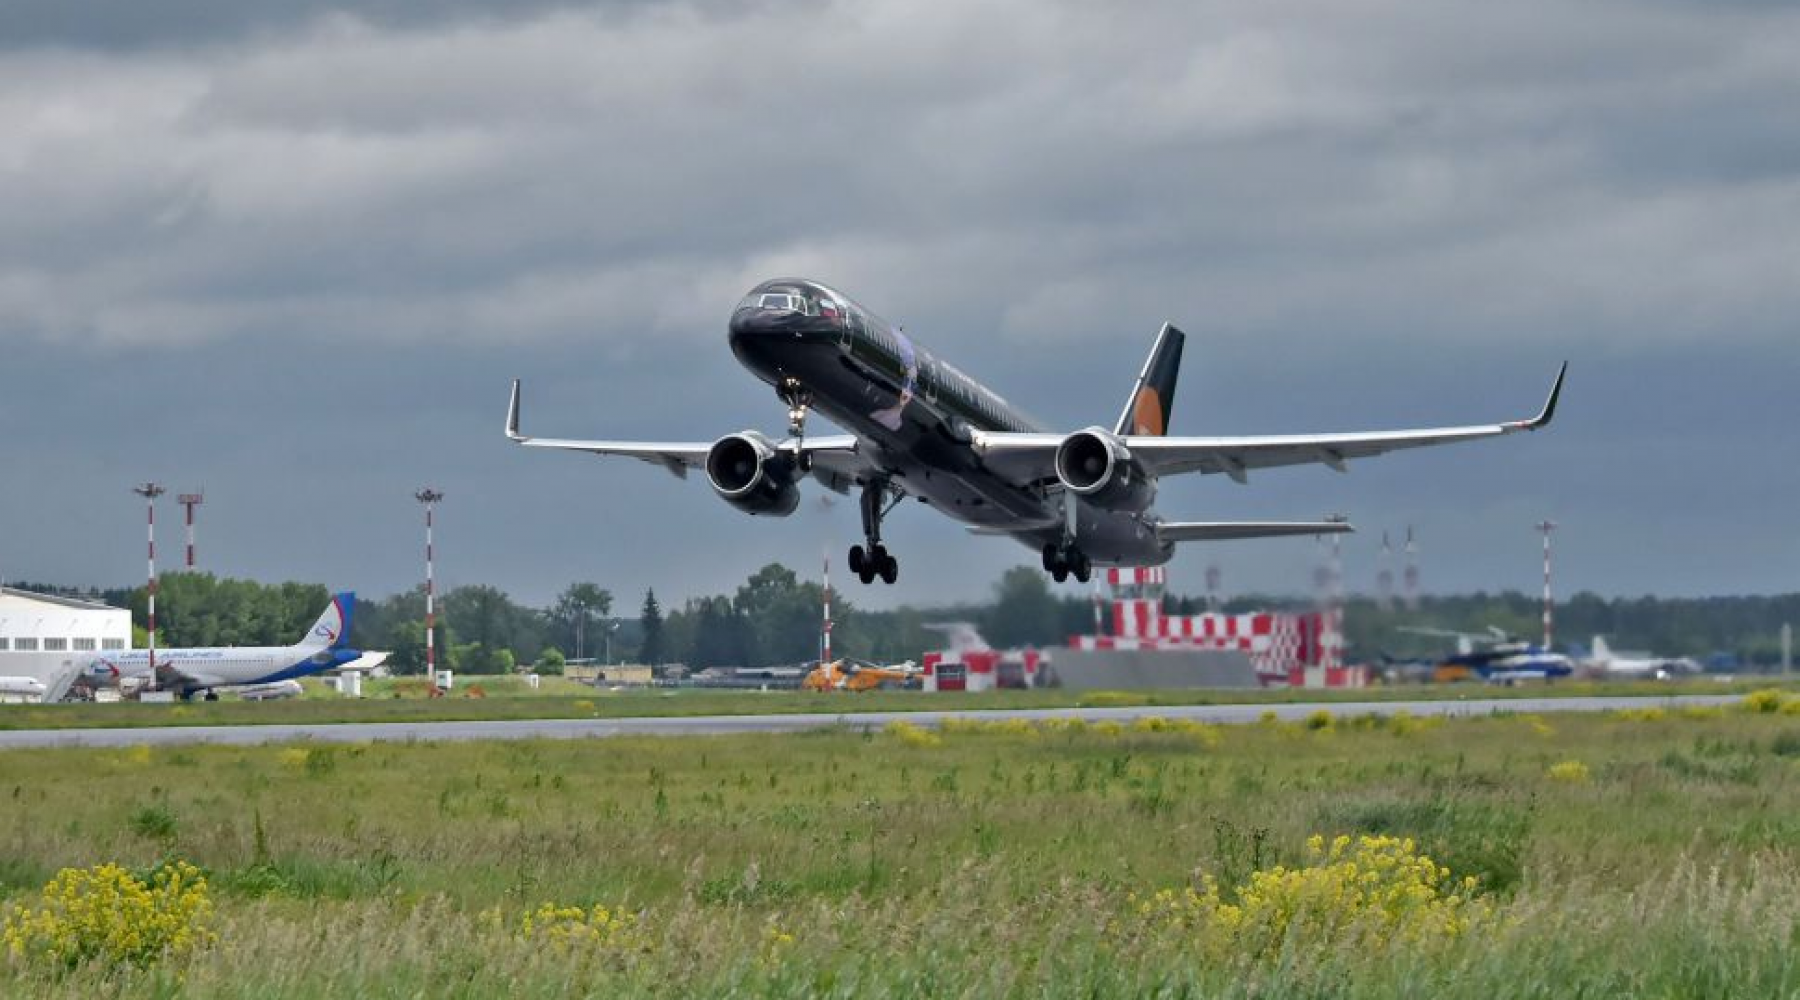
752	475
1097	466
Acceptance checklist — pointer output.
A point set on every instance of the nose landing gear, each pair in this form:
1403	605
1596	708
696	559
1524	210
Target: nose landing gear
799	400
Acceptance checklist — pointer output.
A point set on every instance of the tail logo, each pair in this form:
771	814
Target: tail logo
1147	413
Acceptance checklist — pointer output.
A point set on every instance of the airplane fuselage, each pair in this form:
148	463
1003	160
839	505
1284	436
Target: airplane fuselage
221	666
913	414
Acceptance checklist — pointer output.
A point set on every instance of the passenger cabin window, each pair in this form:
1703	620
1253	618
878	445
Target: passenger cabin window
56	645
25	645
112	643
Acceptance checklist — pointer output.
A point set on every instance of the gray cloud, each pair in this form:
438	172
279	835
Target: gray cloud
325	239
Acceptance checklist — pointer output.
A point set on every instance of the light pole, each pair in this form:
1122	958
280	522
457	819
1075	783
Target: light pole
190	501
610	629
1547	526
430	496
150	491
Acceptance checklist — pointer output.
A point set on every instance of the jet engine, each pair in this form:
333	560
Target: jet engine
1096	465
752	475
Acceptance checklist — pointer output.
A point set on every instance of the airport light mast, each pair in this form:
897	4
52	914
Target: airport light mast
825	630
429	496
1547	527
1384	575
190	501
1411	574
150	491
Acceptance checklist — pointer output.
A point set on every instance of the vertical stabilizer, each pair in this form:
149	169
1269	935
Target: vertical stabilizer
1153	397
332	630
1601	651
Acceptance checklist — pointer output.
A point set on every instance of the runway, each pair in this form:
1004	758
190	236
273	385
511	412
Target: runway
714	725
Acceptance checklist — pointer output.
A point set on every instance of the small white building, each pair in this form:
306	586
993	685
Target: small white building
50	638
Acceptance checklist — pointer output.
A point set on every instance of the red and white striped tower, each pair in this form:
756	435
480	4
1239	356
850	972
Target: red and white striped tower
1333	639
1547	527
190	501
150	491
430	496
825	630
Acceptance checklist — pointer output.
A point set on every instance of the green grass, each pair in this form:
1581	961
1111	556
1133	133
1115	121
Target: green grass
508	698
994	863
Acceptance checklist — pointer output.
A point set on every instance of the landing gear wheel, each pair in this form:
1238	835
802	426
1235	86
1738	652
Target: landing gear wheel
890	567
212	696
1062	562
1083	569
857	560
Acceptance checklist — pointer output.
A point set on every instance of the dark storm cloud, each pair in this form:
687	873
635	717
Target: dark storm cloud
124	25
323	239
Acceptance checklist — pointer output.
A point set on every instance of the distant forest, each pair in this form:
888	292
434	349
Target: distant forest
773	618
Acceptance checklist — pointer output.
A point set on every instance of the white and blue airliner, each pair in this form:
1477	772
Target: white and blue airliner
202	670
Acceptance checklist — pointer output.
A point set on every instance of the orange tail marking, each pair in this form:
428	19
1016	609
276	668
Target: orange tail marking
1147	413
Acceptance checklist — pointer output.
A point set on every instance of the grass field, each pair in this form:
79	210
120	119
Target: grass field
509	698
1641	854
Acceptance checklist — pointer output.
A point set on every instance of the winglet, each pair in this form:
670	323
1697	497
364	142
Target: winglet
512	415
1549	411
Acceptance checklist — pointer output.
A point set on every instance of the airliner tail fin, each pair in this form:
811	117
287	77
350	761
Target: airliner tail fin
1153	397
332	630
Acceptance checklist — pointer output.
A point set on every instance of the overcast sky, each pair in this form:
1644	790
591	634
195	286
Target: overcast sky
292	254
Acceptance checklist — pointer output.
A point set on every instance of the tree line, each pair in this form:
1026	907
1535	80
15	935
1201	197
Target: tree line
773	618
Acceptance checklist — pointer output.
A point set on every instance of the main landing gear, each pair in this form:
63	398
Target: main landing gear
875	561
1064	561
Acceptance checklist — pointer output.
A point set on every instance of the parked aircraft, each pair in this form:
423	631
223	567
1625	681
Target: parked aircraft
920	427
1496	658
202	670
1602	659
21	689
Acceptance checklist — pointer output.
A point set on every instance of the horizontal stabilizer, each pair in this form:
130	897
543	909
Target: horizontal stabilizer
1220	531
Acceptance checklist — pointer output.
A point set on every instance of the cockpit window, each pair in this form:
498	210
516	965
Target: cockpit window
781	300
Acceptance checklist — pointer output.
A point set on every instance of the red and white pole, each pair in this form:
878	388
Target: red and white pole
1547	527
429	497
825	637
190	501
150	491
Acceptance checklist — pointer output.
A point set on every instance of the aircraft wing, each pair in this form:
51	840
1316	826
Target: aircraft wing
834	459
173	678
1026	458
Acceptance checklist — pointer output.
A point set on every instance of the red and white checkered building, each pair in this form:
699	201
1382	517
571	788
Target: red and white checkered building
970	664
1302	650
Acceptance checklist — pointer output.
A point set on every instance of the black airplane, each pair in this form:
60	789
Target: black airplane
920	427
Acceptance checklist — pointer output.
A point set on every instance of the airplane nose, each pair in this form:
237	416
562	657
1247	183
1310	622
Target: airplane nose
754	323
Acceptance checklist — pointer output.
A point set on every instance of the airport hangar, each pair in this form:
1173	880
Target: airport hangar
45	637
